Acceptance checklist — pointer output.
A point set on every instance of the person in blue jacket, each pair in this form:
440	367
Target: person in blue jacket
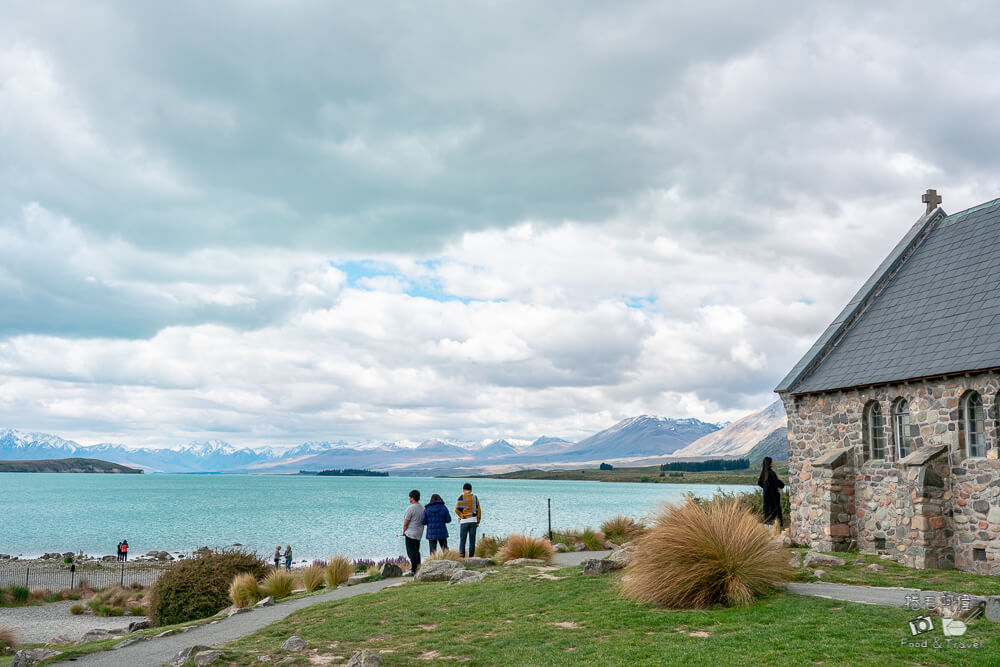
436	515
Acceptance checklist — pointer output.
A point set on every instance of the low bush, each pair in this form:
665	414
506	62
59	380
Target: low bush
199	587
622	528
697	555
21	594
244	591
278	584
338	570
78	609
488	546
312	577
446	554
525	546
8	640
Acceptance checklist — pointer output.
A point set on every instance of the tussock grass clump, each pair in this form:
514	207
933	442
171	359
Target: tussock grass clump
446	554
592	539
8	639
525	546
312	577
622	528
199	587
694	556
338	570
78	609
278	584
488	545
244	591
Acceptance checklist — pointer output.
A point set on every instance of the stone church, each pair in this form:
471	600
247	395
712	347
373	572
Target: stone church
893	423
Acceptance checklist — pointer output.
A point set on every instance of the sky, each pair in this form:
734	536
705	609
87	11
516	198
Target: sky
276	222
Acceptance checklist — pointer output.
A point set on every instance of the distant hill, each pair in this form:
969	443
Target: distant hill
73	465
764	433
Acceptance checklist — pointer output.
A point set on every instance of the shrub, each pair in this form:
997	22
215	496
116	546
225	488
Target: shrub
363	564
525	546
278	584
338	570
488	546
622	528
199	587
8	640
244	590
694	556
21	594
312	577
446	554
78	609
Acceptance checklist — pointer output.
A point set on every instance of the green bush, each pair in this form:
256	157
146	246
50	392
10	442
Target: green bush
199	587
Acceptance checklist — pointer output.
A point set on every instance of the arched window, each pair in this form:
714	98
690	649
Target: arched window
874	431
901	428
975	426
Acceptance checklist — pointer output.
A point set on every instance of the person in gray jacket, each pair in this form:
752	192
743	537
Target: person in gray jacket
413	531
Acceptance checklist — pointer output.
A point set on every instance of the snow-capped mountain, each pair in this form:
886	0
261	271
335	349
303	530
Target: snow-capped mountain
21	446
640	436
764	433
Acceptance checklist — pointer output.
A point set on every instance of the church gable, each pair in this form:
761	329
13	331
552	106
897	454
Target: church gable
932	308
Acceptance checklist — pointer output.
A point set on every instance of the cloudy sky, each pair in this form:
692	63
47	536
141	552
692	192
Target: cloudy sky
272	222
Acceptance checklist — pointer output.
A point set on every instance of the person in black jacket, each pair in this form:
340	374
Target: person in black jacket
772	486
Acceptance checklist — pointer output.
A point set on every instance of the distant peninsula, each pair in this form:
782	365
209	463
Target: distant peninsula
346	472
69	465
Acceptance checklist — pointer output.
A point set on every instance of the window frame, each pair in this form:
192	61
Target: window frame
874	431
901	435
974	425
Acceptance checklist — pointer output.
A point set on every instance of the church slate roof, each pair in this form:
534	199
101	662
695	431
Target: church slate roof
931	308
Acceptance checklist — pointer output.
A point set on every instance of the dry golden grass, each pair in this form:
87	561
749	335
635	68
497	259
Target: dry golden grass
446	554
525	546
278	584
338	570
694	556
8	640
622	528
244	591
312	577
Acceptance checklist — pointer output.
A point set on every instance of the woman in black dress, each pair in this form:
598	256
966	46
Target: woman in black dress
772	492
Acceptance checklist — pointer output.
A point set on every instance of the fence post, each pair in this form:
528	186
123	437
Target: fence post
550	519
26	571
122	582
72	576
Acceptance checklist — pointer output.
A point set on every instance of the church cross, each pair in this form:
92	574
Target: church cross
932	199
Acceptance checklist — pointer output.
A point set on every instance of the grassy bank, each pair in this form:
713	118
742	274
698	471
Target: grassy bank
513	617
648	474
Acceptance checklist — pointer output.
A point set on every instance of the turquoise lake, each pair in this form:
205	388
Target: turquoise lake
360	517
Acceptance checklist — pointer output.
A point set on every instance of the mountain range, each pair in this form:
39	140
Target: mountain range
636	440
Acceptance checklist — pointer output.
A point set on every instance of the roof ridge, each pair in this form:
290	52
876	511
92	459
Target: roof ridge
862	299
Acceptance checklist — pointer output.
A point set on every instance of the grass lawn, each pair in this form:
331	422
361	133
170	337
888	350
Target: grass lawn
512	618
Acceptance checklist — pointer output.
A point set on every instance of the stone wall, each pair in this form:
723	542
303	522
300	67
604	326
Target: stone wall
897	501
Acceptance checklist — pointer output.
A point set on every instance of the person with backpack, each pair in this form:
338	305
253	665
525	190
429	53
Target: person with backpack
469	515
436	515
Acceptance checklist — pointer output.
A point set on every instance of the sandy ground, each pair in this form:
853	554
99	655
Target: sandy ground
41	623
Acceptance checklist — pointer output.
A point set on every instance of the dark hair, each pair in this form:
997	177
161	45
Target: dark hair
415	494
467	487
435	498
765	470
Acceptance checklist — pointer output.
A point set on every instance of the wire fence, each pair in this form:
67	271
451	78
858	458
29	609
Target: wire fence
37	577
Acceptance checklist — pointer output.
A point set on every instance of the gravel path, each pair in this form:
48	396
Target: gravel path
40	623
886	597
576	557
